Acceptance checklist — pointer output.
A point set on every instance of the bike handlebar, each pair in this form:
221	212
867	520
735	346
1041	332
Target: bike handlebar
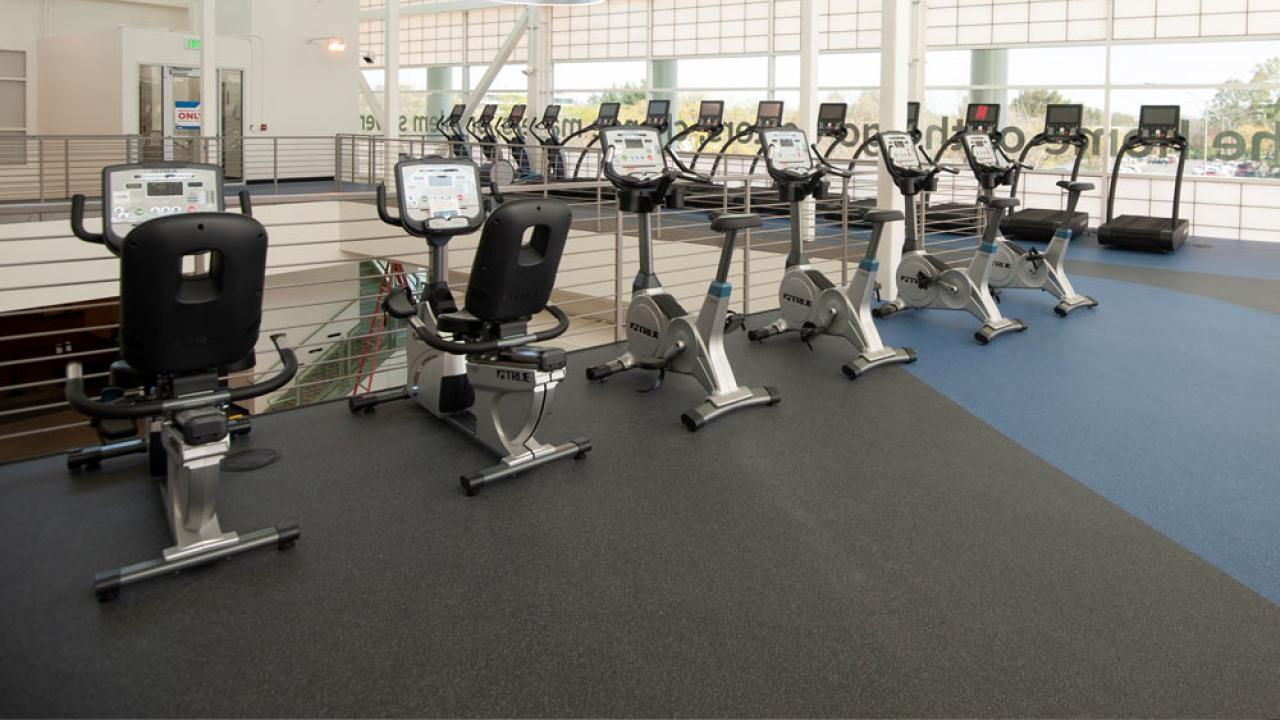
150	408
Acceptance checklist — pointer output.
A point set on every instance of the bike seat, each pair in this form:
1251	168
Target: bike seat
878	216
460	322
723	222
1002	203
1075	186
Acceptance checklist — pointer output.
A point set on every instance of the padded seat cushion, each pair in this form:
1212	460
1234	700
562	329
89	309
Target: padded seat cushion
723	222
882	216
461	322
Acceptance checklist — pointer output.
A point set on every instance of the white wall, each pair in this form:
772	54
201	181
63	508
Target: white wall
306	90
25	22
293	86
79	85
19	31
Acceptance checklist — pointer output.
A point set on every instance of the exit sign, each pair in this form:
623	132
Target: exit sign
193	43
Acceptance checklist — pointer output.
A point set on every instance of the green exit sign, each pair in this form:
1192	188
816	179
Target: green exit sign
193	43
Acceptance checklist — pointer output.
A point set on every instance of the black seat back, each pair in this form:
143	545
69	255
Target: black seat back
171	323
512	279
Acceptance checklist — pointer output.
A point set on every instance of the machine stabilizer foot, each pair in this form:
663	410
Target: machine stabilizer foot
991	332
368	401
473	483
598	373
708	411
1066	307
859	366
107	585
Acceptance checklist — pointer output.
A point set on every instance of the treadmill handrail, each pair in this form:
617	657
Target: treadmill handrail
1079	141
1177	142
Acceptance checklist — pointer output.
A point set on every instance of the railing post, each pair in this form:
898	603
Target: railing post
746	257
337	163
618	280
275	165
844	230
40	164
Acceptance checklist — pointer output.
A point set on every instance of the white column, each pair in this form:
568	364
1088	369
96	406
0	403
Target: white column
919	46
210	104
391	94
539	65
895	54
808	94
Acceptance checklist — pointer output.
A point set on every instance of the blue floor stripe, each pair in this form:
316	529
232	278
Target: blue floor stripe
1238	258
1166	403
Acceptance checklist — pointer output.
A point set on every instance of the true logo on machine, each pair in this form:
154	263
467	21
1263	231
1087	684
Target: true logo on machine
647	332
515	375
797	299
908	280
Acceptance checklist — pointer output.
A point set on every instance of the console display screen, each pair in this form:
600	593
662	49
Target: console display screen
440	195
902	151
138	194
1161	116
983	151
710	112
786	150
162	189
769	114
831	115
634	150
913	116
1064	115
608	113
982	116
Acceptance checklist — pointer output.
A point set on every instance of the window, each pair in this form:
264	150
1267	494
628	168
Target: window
13	107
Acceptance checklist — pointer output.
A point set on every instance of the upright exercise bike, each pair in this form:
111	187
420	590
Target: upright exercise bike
662	335
475	366
810	304
923	279
1015	266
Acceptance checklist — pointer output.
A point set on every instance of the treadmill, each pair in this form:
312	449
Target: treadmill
481	129
961	217
549	124
1158	127
607	117
451	128
764	197
657	115
1062	127
710	123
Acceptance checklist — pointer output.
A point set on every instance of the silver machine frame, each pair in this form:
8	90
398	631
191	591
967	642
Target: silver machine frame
923	280
662	335
809	303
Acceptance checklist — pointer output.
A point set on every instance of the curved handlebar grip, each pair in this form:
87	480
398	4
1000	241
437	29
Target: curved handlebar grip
288	359
246	203
562	324
464	348
383	212
948	169
77	222
825	165
85	405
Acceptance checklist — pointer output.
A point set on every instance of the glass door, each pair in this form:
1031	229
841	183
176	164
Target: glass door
231	123
151	112
184	114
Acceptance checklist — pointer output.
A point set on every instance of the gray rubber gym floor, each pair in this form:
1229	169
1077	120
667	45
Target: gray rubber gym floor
864	548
